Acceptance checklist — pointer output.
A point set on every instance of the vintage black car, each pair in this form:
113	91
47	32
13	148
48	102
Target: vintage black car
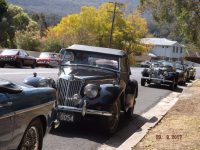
25	115
162	73
95	81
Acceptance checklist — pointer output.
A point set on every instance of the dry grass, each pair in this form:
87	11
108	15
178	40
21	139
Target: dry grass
180	128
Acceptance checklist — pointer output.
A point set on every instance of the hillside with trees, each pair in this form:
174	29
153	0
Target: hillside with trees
90	26
55	9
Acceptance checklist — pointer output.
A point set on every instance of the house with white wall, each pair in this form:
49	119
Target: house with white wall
163	48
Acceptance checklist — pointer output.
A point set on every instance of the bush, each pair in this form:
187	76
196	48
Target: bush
27	40
52	45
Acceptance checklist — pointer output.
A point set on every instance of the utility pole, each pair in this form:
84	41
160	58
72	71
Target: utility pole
113	21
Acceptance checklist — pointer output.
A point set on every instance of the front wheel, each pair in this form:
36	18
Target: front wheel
110	124
2	65
143	82
33	65
173	85
33	137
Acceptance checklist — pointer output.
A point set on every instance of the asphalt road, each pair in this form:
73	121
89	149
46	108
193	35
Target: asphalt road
86	134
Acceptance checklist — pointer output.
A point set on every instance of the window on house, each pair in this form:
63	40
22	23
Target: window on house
173	49
181	51
176	49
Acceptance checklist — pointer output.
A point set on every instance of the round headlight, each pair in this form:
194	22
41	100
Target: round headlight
91	90
165	73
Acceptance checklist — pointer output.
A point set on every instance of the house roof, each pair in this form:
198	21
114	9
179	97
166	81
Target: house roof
158	41
97	50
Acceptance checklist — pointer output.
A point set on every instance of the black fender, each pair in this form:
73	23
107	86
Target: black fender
145	72
108	94
36	80
132	87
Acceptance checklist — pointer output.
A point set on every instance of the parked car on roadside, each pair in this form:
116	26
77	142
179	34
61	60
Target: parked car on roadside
25	115
48	59
94	81
164	73
17	58
182	73
145	64
191	71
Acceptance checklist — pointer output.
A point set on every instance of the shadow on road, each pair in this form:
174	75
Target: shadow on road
128	128
91	130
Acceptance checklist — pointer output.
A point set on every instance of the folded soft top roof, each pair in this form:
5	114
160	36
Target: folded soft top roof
97	50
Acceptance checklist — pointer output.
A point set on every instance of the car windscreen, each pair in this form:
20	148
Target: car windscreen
9	52
167	64
92	59
179	66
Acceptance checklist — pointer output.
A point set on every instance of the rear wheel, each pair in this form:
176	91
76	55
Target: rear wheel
2	65
20	64
143	82
192	78
33	137
33	65
110	124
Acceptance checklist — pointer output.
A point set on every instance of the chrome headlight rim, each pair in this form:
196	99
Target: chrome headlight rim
166	73
91	91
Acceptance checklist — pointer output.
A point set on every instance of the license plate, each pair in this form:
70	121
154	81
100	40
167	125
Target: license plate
66	117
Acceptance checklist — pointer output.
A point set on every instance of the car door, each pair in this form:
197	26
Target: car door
6	121
27	60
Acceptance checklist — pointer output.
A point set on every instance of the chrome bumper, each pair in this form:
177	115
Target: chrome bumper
157	79
84	110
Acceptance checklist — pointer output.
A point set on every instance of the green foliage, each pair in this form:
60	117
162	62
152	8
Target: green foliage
14	20
3	8
27	40
179	19
42	24
52	45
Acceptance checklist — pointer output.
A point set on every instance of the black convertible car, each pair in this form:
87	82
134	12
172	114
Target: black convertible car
162	73
95	81
25	115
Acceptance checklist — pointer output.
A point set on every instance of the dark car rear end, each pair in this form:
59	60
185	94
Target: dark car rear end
17	58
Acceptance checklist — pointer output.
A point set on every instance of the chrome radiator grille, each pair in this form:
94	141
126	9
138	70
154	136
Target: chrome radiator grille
66	91
156	73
